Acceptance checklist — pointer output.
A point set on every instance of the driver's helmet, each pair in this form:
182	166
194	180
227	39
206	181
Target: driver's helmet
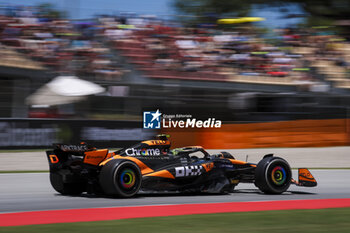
218	155
223	154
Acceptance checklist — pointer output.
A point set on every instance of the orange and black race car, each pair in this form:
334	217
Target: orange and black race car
153	166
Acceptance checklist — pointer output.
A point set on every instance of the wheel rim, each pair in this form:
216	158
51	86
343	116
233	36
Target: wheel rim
127	178
278	175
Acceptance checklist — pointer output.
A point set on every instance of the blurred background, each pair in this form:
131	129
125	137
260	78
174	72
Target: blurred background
277	73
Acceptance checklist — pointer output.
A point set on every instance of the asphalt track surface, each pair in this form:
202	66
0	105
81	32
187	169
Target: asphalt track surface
32	191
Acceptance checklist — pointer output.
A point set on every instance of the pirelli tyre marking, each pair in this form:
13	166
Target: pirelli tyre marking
195	170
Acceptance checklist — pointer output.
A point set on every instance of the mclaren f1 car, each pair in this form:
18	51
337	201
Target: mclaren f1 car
152	166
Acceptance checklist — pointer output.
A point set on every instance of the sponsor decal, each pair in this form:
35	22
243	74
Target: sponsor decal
188	171
230	166
224	164
53	159
152	120
183	161
133	151
77	148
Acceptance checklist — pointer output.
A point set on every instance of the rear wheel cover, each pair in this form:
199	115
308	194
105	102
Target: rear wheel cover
278	176
126	178
121	178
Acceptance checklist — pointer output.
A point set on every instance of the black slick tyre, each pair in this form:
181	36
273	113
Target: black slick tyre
120	178
65	188
273	175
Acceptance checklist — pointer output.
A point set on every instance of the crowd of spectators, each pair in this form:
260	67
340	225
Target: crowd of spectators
61	45
166	50
177	52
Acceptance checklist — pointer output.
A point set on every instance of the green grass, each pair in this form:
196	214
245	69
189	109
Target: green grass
308	221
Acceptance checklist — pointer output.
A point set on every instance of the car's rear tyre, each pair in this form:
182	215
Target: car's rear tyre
232	188
120	178
273	175
65	188
65	181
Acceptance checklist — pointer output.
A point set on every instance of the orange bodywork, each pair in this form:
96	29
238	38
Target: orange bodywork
95	157
143	167
208	166
305	175
239	162
162	173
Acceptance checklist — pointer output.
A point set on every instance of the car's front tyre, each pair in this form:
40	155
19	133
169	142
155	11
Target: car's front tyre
273	175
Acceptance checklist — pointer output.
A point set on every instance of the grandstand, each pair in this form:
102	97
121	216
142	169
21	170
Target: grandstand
17	74
147	62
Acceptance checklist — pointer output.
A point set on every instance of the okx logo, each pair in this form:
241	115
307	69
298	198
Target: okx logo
151	120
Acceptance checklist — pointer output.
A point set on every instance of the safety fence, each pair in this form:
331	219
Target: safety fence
39	133
298	133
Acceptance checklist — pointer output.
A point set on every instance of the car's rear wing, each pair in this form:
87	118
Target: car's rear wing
60	153
305	178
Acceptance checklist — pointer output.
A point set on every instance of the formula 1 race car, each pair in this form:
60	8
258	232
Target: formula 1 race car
152	166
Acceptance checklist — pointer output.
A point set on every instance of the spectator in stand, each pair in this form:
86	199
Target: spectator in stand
161	49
